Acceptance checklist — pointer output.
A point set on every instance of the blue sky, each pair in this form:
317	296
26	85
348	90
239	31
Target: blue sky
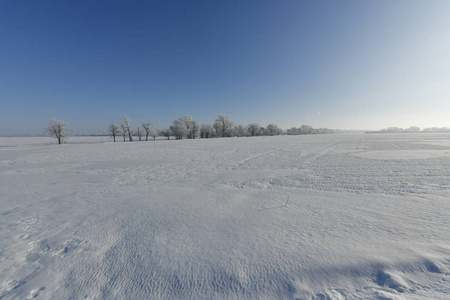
336	64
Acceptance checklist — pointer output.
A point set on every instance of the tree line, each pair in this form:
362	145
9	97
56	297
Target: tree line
412	129
187	128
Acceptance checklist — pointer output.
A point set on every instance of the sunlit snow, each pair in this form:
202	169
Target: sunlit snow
288	217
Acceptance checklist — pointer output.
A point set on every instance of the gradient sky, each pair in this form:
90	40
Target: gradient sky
336	64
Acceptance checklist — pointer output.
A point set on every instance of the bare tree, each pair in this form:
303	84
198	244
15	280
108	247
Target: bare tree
126	127
139	133
113	131
223	125
147	128
58	129
124	131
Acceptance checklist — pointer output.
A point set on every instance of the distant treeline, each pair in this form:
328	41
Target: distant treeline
306	129
412	129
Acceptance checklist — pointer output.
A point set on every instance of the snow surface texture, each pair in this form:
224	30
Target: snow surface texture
288	217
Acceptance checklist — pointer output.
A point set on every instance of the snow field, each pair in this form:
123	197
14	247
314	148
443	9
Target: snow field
367	217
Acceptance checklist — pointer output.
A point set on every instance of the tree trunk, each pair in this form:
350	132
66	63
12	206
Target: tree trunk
130	137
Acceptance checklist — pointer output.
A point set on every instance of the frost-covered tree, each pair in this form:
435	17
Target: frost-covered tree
153	134
217	129
436	129
126	126
165	132
223	125
206	131
147	129
113	131
325	131
273	129
240	131
292	131
191	126
254	129
179	129
306	129
413	129
232	131
194	129
58	129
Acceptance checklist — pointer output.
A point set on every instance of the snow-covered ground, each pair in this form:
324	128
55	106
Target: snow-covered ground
308	217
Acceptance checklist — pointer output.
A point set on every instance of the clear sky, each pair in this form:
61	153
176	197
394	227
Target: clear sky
336	64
